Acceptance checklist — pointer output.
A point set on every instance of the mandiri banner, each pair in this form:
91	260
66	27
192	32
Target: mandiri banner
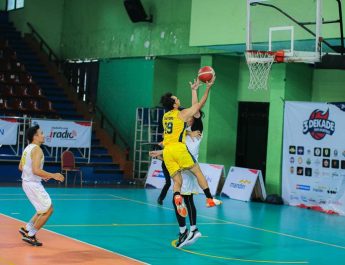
243	183
155	177
65	133
314	156
8	131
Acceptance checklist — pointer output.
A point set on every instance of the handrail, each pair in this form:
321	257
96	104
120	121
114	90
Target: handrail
115	131
43	44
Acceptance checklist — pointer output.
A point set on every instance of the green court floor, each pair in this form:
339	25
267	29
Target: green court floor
129	222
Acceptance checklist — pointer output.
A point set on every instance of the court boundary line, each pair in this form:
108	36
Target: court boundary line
173	244
124	225
66	199
80	241
242	225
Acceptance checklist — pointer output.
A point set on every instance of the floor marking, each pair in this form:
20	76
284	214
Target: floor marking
122	225
173	244
79	241
241	225
76	199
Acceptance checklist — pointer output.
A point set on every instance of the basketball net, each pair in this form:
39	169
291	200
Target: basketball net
259	64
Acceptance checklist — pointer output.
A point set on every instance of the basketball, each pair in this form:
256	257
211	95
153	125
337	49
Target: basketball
205	74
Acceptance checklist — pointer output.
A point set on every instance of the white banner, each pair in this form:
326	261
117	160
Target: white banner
314	156
66	133
240	184
8	131
155	177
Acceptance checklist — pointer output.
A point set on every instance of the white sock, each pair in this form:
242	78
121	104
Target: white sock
29	226
32	231
182	229
192	228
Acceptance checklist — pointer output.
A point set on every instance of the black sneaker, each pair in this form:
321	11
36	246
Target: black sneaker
32	240
193	237
160	201
182	239
23	231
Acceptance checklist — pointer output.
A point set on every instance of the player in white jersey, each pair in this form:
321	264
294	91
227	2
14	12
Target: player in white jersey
31	165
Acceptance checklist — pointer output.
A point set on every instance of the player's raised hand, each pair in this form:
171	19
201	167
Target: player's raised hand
195	85
211	82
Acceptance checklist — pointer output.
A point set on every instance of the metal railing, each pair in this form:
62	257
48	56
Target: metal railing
44	45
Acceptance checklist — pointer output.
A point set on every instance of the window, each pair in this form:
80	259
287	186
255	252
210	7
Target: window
14	4
83	76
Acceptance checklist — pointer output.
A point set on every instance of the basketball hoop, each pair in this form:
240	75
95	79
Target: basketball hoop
259	64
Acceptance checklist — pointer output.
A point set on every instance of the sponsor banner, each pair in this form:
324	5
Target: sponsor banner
65	133
314	156
8	131
240	184
155	177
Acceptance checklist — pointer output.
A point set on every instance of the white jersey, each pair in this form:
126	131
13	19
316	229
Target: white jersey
189	181
26	161
193	145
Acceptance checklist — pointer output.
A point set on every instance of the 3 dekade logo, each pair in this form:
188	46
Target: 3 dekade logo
318	125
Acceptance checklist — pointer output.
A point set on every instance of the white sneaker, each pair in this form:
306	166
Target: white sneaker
192	237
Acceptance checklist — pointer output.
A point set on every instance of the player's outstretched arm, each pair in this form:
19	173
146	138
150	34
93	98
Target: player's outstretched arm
194	86
190	112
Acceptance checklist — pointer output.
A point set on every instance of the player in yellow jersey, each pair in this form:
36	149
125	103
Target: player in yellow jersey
175	154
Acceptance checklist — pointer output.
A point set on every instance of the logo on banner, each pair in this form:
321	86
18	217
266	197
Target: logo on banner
61	133
302	187
241	185
318	125
158	174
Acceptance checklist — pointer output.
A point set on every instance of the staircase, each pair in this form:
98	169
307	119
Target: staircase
103	167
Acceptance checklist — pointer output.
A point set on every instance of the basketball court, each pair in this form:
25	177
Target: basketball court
128	227
122	225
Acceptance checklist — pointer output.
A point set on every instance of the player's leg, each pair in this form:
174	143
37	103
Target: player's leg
40	199
24	230
194	233
210	201
183	234
178	199
43	218
166	186
171	163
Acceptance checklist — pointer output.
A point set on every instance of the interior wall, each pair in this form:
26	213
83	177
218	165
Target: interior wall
124	85
45	16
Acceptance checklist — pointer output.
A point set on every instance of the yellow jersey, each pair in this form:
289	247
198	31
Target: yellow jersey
174	128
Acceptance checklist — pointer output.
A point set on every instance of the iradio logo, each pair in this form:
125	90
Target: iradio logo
318	125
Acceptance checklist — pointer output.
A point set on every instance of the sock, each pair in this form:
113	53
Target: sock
33	231
208	193
182	229
29	226
177	193
192	228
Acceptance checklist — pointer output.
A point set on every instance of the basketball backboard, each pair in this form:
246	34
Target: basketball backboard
304	29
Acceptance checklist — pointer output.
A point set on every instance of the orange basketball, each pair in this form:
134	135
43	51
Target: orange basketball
205	74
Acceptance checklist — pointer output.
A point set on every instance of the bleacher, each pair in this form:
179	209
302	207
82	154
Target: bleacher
27	90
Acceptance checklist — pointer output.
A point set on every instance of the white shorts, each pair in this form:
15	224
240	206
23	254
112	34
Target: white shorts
37	195
190	183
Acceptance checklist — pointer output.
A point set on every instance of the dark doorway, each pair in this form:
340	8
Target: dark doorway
252	131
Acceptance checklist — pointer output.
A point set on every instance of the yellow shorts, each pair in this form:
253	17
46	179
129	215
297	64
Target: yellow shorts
177	157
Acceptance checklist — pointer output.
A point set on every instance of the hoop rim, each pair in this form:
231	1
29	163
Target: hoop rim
261	52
